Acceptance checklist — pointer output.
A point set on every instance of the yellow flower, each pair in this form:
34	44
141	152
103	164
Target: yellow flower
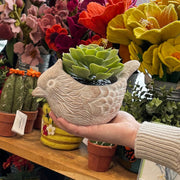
154	23
119	32
149	21
169	54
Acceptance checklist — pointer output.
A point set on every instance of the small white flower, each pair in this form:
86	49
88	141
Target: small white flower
51	130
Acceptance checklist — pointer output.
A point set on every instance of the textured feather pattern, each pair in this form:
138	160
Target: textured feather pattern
79	103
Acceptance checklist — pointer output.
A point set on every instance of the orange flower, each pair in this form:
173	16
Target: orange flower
16	71
33	73
52	33
97	16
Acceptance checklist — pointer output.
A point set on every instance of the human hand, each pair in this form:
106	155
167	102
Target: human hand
121	130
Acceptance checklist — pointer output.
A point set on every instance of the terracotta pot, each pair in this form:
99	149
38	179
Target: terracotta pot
31	117
6	123
38	121
100	157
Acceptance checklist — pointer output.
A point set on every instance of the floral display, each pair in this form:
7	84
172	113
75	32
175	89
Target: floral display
151	33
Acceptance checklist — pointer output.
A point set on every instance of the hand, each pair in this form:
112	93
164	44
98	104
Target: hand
121	130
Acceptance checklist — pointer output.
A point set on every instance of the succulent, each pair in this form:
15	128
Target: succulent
92	62
15	93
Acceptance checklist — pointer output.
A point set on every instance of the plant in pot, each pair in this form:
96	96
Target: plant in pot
146	104
87	86
16	96
100	155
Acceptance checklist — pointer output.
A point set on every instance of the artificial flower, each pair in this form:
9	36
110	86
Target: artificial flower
97	16
51	35
31	55
6	32
64	42
50	129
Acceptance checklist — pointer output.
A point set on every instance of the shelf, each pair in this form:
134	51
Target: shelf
69	163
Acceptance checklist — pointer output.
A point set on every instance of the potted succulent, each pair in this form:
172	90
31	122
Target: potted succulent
100	155
147	104
87	86
16	96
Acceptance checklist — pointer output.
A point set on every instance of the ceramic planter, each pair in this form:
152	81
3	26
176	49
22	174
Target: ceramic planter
55	137
6	123
31	117
79	103
100	157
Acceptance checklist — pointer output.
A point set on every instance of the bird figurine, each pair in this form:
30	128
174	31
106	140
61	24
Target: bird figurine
83	104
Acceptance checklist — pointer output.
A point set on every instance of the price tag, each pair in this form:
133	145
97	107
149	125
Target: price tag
19	123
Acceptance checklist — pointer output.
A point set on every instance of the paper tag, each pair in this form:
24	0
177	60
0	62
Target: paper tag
34	68
19	123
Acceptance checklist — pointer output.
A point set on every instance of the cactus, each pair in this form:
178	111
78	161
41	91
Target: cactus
15	91
92	62
30	102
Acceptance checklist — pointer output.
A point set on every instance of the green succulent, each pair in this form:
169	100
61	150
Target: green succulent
92	62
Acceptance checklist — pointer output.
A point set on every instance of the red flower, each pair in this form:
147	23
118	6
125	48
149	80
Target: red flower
45	132
97	16
51	35
91	40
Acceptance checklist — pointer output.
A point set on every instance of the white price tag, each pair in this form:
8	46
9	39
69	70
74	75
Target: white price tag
19	123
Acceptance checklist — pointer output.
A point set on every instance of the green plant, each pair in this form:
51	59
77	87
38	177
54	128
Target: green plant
20	169
92	62
147	104
15	93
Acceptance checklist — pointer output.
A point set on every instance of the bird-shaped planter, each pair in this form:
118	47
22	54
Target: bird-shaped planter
83	104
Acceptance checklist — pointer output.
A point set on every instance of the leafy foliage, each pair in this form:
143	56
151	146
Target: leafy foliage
92	62
150	105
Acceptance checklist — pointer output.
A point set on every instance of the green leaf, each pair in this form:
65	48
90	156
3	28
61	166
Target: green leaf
91	52
94	68
92	59
102	54
77	54
81	72
112	53
103	75
110	61
116	70
10	51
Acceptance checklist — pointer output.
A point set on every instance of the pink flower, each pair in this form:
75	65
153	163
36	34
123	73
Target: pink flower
33	10
35	34
19	48
31	55
42	10
6	32
47	21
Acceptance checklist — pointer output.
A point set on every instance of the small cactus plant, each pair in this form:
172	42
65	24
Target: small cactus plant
92	62
15	93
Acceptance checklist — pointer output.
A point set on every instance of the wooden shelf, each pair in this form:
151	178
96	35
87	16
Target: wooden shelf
69	163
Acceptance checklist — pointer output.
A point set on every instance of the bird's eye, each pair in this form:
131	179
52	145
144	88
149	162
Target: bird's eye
50	83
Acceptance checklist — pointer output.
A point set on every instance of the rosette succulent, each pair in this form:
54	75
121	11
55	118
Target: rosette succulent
92	62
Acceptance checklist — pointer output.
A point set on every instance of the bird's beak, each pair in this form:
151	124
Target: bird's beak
38	92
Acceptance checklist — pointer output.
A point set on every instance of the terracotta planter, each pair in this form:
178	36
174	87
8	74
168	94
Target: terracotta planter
38	121
100	157
6	123
31	117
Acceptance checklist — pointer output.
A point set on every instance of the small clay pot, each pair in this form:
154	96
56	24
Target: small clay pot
31	117
6	123
38	121
100	157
